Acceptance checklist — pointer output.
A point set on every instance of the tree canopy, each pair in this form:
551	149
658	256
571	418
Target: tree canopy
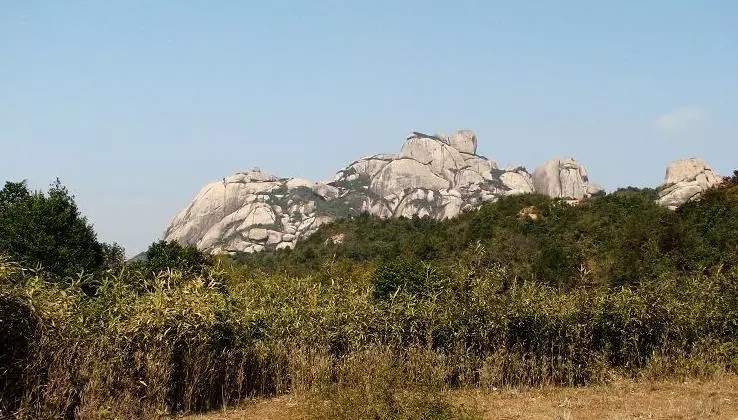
47	230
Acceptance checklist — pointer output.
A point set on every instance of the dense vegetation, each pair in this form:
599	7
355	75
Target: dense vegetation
526	291
620	239
47	230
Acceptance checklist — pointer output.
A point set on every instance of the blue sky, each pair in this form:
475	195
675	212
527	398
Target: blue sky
137	104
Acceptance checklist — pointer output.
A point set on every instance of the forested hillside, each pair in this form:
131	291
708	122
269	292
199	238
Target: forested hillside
623	238
367	318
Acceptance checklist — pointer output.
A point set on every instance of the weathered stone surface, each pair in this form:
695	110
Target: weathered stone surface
286	245
370	165
326	191
480	165
412	204
685	181
402	174
298	182
465	141
467	177
518	181
439	156
274	237
562	178
258	234
451	206
432	176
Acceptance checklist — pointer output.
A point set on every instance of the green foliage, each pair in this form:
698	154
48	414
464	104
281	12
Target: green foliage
201	342
711	224
47	230
622	238
163	256
409	275
114	256
527	291
358	184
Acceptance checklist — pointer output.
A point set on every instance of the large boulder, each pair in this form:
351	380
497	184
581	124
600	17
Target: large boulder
442	159
685	181
465	141
518	180
563	178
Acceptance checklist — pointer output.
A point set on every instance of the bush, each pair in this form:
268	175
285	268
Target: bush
407	274
163	255
203	341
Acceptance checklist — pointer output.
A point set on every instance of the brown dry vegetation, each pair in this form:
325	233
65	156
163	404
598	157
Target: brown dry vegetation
622	399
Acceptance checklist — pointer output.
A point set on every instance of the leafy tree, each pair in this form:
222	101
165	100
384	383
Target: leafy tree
47	230
165	255
114	256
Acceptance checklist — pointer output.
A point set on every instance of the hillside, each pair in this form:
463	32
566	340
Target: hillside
624	237
372	318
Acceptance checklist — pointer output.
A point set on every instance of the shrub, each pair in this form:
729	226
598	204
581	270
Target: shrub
406	274
163	255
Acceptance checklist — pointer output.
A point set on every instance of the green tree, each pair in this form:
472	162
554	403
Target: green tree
47	230
114	256
165	255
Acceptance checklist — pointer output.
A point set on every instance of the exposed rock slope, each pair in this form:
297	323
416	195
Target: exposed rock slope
436	176
564	178
685	181
433	175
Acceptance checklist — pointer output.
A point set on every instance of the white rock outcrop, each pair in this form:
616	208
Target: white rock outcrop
404	174
436	176
465	141
563	178
685	181
518	180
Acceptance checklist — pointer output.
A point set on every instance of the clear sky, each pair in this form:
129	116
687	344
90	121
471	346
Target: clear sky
136	104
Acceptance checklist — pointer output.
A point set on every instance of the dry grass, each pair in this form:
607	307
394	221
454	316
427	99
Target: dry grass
284	407
620	400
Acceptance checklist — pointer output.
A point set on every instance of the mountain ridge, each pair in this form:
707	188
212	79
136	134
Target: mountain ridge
436	176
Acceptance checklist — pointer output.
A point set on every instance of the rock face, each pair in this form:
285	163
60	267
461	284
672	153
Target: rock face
465	141
564	178
250	211
437	176
685	181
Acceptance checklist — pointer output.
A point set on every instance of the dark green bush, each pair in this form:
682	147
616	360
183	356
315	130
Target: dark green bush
404	274
163	256
47	230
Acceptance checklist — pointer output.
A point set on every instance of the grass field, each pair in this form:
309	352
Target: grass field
621	399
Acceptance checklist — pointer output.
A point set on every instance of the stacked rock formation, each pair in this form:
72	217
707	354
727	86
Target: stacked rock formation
685	181
437	176
564	178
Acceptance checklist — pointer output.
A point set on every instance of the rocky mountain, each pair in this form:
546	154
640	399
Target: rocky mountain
433	175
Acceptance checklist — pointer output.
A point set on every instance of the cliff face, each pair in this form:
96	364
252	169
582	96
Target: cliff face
433	175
